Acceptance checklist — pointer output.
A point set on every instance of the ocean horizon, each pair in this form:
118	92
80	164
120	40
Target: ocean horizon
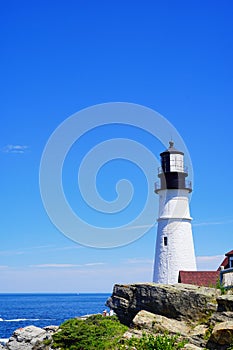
18	310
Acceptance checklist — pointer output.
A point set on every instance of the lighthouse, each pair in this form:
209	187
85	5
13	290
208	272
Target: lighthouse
174	245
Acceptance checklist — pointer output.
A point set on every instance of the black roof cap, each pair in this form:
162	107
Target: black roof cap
171	149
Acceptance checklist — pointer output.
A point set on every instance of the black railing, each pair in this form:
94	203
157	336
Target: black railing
166	169
158	187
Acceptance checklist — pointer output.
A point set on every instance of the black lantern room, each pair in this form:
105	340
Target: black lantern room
172	172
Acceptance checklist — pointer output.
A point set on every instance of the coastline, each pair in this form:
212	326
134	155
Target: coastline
199	317
19	310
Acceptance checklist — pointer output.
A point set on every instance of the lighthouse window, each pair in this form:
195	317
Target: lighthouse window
165	241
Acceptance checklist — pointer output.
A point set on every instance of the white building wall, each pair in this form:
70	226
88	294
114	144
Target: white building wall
174	222
227	278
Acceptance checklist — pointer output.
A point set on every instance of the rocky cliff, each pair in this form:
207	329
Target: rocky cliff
199	314
181	301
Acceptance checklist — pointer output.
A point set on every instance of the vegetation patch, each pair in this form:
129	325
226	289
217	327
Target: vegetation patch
208	332
96	332
106	333
158	342
220	287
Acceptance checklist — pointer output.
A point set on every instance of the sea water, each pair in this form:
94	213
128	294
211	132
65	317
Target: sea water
20	310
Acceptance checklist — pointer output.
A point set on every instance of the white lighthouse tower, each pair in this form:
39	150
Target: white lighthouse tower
174	245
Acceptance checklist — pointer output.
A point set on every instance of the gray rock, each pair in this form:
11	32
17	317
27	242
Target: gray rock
173	301
191	347
51	329
225	303
146	321
221	337
157	323
221	317
28	338
136	333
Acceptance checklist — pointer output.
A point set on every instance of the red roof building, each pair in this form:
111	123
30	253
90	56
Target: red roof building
199	278
206	278
228	261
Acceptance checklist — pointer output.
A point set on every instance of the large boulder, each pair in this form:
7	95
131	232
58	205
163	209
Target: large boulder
221	336
30	338
151	323
224	311
181	301
157	323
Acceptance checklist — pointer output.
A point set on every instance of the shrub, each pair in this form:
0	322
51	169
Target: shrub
105	333
220	287
96	332
159	342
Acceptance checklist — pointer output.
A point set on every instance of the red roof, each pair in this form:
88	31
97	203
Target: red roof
224	263
199	278
229	253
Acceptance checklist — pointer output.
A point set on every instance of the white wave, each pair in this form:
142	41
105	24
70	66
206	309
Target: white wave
3	340
25	319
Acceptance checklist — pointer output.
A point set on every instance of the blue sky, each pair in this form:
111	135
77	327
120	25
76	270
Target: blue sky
60	57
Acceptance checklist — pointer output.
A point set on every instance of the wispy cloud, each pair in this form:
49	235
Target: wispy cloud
15	149
55	265
54	249
41	248
209	258
10	252
3	267
139	261
139	226
209	262
94	264
23	251
210	223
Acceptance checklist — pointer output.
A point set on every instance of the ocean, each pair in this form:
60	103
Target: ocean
20	310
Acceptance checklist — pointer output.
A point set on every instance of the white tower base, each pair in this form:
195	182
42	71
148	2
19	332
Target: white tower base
174	245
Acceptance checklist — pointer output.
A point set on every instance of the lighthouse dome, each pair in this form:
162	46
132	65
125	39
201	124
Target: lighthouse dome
171	149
